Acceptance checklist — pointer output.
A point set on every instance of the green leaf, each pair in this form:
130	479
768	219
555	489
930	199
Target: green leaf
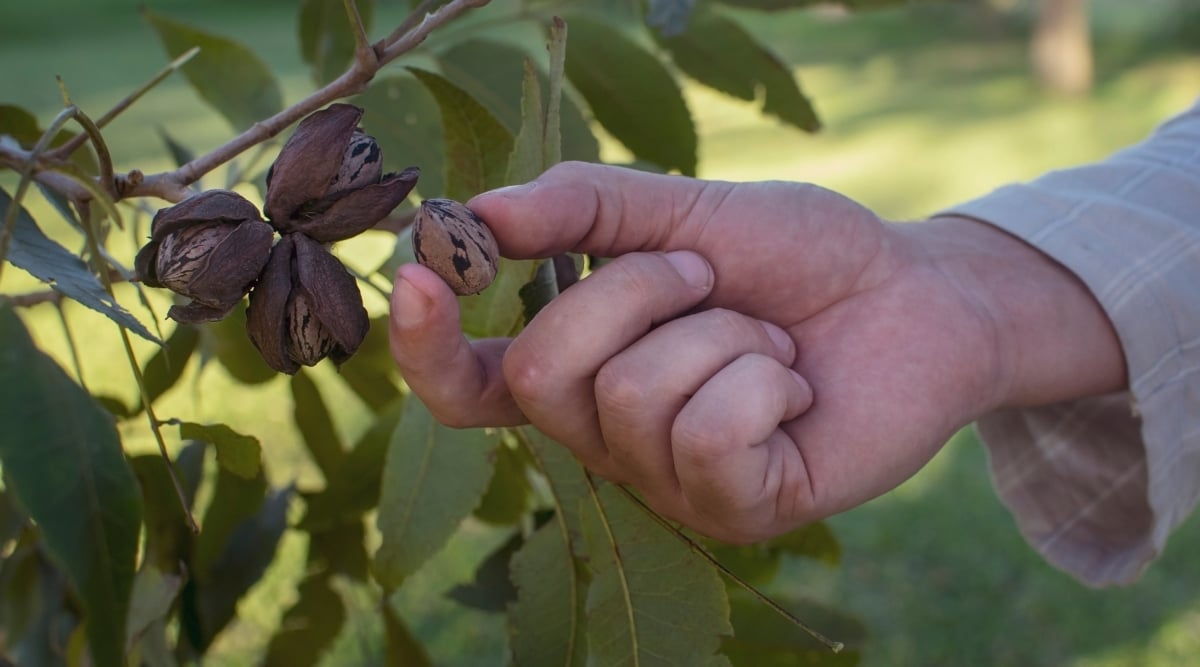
526	161
403	650
814	541
235	500
719	53
315	423
566	479
166	366
632	95
405	119
490	590
34	607
239	454
539	291
757	563
12	519
153	595
309	627
493	73
24	128
326	37
651	599
477	145
168	537
225	74
763	638
48	261
546	624
62	459
371	372
226	341
180	154
507	497
433	478
247	551
353	488
340	550
552	138
499	310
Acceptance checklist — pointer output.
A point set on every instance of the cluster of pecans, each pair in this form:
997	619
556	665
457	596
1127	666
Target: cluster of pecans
326	185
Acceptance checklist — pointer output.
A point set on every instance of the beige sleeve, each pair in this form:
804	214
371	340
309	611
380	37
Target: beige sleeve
1097	485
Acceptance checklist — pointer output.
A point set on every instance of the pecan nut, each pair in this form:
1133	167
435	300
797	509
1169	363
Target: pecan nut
450	239
210	248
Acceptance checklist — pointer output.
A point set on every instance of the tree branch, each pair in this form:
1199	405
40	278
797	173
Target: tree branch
173	185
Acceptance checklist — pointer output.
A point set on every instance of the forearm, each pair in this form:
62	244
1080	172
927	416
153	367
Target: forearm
1052	340
1097	484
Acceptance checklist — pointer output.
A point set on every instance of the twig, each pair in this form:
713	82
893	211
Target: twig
411	21
172	185
411	39
64	151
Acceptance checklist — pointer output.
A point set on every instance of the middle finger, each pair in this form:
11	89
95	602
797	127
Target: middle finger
551	367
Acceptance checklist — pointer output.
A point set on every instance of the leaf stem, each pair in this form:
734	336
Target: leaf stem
699	550
93	239
103	156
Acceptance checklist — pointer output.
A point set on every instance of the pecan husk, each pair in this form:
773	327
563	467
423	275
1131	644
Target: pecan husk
327	182
210	248
305	307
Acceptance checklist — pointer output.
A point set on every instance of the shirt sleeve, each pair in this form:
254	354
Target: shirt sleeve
1097	485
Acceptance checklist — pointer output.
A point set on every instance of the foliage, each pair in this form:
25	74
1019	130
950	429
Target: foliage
102	551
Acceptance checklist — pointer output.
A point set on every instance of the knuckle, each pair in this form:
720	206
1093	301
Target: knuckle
528	378
619	393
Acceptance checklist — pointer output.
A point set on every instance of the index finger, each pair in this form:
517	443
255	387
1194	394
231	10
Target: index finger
597	209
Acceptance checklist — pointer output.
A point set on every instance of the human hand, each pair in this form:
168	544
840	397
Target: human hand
756	356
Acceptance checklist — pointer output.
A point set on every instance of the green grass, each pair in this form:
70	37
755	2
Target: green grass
922	108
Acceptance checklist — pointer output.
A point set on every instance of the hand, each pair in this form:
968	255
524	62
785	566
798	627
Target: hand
756	356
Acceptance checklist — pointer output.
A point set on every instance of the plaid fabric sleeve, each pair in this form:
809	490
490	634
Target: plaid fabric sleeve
1097	485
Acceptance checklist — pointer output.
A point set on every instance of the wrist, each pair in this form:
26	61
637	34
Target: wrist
1049	339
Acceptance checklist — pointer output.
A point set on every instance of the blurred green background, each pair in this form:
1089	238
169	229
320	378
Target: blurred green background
923	106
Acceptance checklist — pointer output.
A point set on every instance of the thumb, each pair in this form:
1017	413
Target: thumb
596	209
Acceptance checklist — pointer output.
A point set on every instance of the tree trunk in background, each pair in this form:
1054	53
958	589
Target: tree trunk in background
1062	46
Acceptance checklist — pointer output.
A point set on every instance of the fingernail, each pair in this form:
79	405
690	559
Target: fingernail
410	306
691	267
780	337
